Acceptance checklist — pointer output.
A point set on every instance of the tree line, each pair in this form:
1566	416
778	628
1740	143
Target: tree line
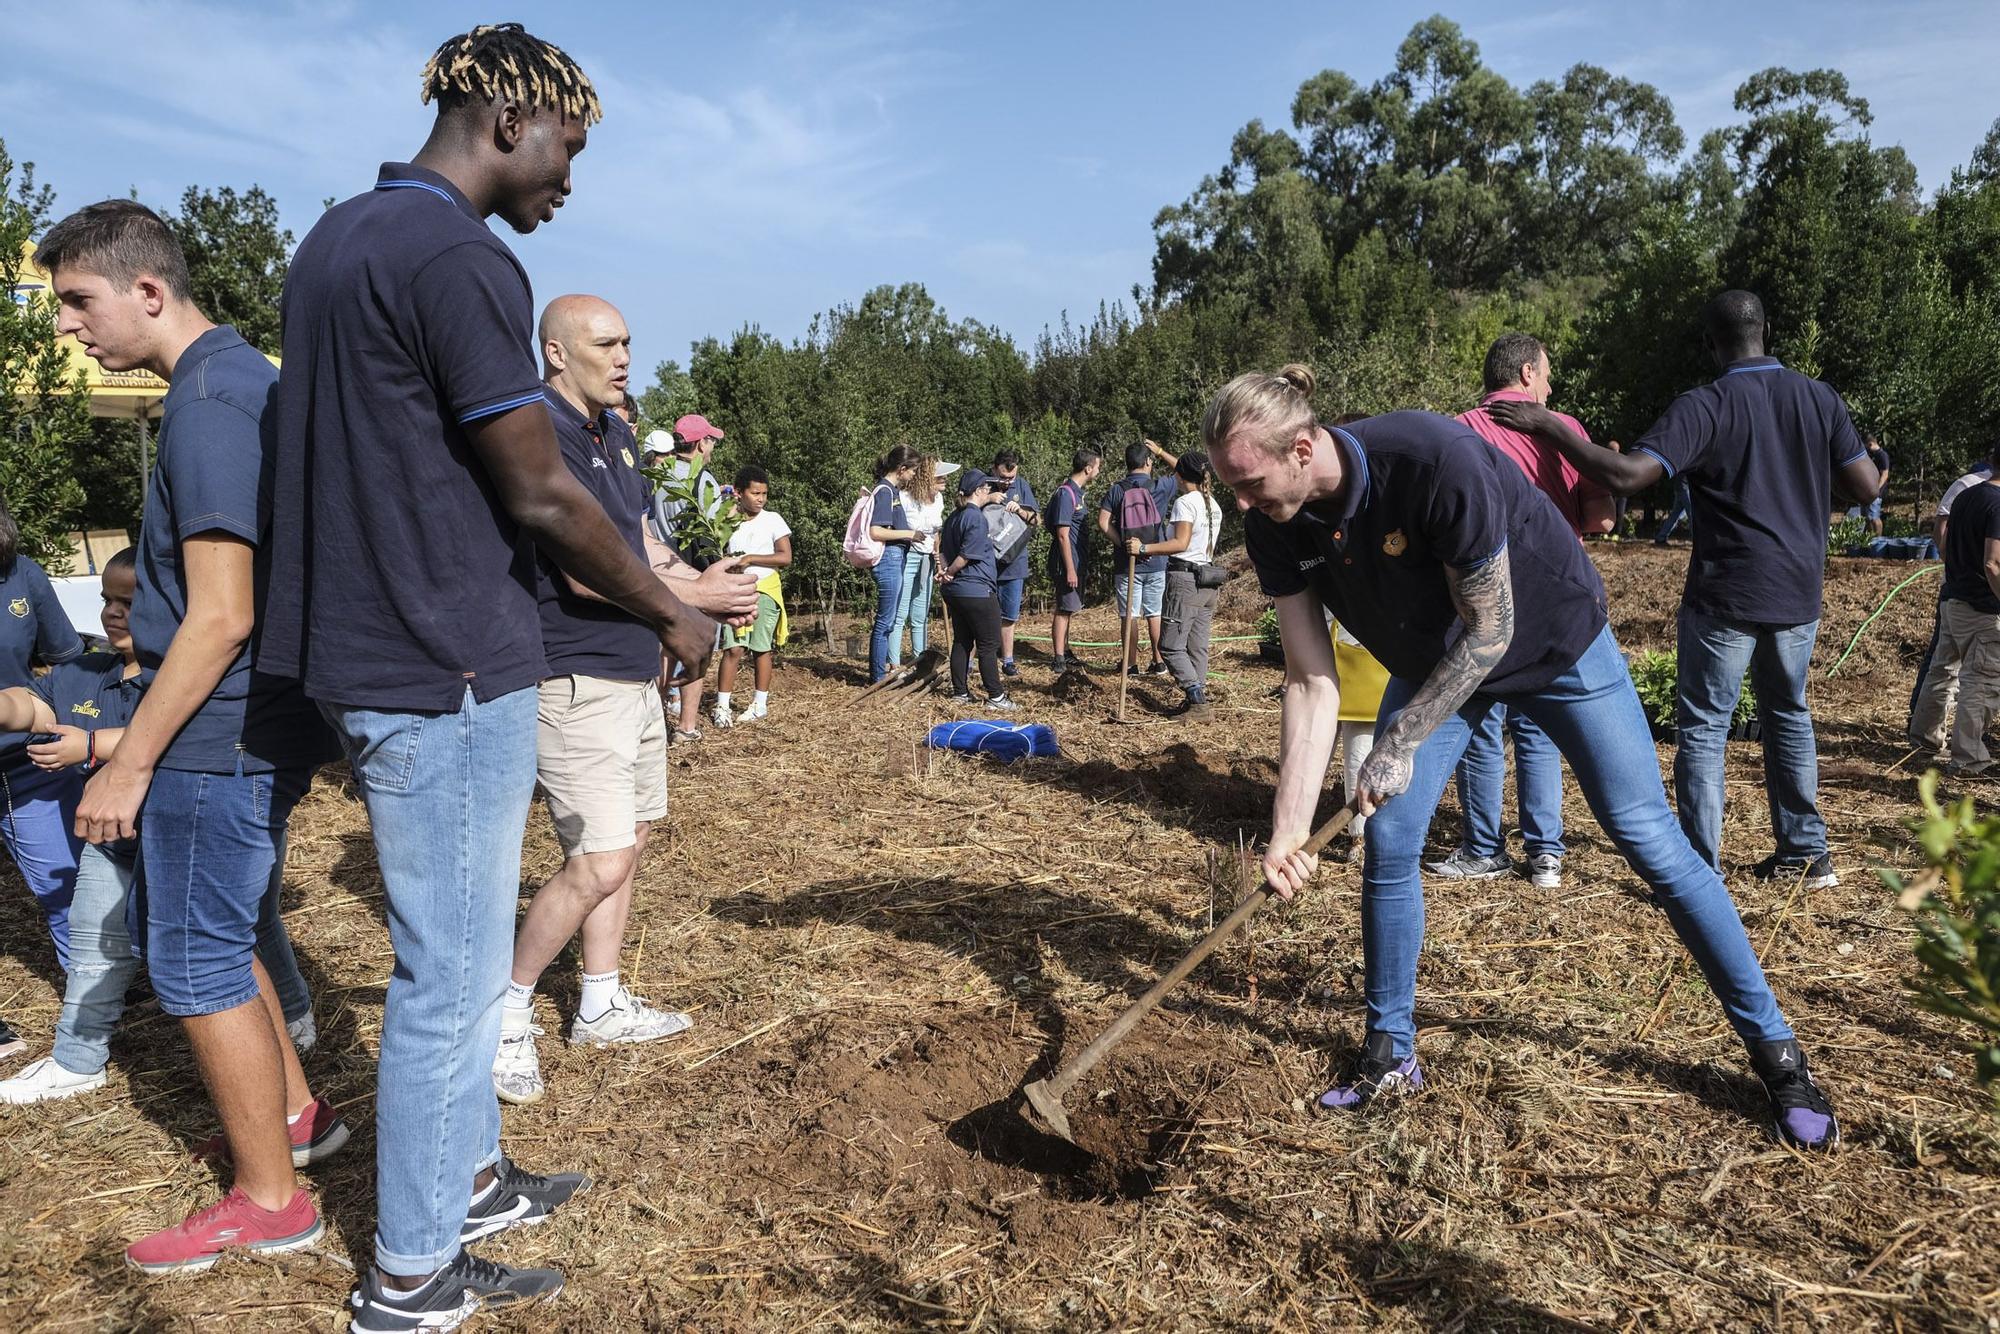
1386	236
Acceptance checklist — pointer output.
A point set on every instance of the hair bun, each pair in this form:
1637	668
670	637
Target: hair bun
1300	377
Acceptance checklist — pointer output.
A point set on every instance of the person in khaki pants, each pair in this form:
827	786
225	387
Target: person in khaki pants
1967	658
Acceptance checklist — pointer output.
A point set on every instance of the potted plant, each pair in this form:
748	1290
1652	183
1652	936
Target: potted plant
1270	644
1656	676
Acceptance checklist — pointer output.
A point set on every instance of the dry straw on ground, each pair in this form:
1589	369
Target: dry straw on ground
878	951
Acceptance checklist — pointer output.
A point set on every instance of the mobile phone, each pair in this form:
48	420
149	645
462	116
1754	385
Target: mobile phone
42	738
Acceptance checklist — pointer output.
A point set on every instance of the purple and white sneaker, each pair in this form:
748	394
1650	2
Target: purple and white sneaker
1378	1072
1800	1113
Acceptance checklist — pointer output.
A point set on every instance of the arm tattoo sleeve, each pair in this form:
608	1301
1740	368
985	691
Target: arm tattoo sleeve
1485	601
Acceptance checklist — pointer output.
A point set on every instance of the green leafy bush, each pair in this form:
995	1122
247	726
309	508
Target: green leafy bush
1955	900
1847	533
1267	626
1656	676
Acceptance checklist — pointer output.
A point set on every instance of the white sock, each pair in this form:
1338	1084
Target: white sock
721	700
517	1010
598	991
762	698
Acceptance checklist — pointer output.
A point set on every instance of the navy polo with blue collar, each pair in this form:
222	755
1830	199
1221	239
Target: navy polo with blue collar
583	637
1758	447
1421	493
401	579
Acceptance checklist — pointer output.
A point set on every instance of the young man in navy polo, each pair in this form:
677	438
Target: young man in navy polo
1013	490
1069	550
601	734
1762	449
219	750
417	473
1442	558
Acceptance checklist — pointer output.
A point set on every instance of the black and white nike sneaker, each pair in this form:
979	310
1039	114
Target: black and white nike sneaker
517	1199
449	1299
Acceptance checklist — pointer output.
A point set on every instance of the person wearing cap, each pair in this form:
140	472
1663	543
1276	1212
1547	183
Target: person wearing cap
693	443
971	593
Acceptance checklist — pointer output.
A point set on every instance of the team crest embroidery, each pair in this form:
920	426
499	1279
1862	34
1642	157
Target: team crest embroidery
19	606
626	454
1395	543
88	708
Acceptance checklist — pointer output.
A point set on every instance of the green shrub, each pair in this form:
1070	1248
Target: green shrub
1656	676
1267	626
1955	900
1847	533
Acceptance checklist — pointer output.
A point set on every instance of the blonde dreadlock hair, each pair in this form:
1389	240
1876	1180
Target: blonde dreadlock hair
502	62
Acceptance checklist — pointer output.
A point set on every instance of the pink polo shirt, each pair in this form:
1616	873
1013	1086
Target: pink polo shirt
1545	466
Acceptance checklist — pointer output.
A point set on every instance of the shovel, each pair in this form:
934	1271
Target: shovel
1044	1107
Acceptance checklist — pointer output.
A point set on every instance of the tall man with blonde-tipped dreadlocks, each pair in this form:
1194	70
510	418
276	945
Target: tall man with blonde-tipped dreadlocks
416	474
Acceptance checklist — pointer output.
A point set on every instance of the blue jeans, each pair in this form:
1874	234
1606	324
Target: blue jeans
447	797
1593	715
1538	785
1681	509
913	606
213	848
888	601
1713	655
37	815
1010	599
103	961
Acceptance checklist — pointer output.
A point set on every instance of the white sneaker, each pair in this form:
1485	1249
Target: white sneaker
722	718
517	1068
45	1081
304	1031
1545	871
629	1019
754	714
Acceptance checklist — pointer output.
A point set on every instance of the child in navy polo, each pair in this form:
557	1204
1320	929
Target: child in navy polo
968	573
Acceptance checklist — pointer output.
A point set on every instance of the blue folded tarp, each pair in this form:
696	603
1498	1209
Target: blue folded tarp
1010	741
1897	548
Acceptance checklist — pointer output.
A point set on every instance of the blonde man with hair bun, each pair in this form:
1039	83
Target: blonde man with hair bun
1447	564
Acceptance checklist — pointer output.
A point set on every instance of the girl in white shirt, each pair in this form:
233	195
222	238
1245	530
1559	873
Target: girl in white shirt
923	509
1193	528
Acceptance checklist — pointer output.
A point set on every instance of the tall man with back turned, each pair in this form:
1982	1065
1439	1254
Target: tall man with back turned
1761	448
417	472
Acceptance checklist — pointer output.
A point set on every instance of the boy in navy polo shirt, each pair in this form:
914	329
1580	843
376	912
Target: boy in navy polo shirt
966	569
1761	450
601	733
1012	490
1069	550
1451	568
417	473
217	752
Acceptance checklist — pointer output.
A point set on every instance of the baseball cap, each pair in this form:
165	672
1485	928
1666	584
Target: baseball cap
972	481
695	428
659	442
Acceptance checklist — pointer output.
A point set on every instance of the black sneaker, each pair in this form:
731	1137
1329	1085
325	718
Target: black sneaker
1377	1073
1801	1116
1817	872
1008	669
1157	668
449	1299
522	1200
11	1043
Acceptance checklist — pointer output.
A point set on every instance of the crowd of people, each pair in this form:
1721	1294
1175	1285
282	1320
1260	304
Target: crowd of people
433	554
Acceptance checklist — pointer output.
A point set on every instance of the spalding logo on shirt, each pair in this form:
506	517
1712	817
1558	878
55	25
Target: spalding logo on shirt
1395	543
19	606
88	708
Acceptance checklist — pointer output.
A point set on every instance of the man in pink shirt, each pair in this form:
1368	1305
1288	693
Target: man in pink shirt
1517	367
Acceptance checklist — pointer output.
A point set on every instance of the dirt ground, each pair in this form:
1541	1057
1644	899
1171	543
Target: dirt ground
879	947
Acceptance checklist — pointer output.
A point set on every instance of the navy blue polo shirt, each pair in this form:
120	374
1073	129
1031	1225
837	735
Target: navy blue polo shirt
1067	510
406	580
1164	490
1758	448
965	534
91	692
1423	492
33	629
213	475
1975	519
1022	494
888	513
582	637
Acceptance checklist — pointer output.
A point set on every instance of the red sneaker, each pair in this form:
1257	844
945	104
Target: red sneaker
233	1221
317	1135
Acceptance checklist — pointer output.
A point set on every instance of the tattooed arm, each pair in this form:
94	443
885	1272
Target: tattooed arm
1485	601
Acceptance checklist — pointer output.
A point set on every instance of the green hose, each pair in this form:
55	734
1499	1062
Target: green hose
1931	569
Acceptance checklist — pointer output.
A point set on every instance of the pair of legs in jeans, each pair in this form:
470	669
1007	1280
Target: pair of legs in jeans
888	602
1713	655
1594	717
975	622
37	812
447	797
1538	789
913	606
1187	616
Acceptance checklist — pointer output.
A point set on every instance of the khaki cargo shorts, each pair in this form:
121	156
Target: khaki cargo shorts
601	760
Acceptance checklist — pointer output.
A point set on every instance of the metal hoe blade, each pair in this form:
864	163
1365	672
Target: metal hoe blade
1045	1110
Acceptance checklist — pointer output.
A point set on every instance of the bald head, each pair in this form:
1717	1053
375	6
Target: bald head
586	352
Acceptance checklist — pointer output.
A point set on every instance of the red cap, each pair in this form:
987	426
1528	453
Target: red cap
694	429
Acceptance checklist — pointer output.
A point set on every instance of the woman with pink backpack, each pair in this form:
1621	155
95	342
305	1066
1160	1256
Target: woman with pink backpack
882	546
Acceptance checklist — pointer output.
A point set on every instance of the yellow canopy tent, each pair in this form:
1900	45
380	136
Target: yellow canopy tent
135	396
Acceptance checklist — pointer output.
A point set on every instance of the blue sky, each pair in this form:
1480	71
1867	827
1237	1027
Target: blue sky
760	162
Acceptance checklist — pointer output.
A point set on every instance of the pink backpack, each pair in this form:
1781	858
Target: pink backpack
863	552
